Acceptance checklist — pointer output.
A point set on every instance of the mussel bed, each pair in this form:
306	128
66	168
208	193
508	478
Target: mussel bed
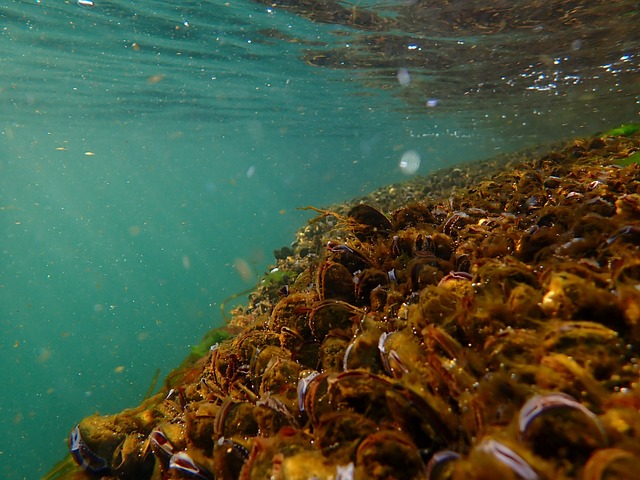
472	324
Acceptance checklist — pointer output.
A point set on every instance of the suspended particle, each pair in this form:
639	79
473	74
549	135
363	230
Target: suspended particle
404	77
410	162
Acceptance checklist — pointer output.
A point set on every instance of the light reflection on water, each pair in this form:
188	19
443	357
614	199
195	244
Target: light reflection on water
149	148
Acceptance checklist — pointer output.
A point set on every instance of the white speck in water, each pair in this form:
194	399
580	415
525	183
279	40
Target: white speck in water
410	162
404	78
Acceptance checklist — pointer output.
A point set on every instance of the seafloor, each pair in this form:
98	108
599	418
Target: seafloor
479	323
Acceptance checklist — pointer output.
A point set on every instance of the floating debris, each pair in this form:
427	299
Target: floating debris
464	325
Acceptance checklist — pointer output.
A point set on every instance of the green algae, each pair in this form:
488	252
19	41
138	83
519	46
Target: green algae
623	130
630	160
209	339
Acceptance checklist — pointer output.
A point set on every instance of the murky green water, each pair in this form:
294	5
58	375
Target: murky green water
153	154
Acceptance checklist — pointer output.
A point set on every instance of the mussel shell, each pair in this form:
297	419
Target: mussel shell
336	282
572	296
505	274
290	312
389	454
264	358
440	466
415	214
307	354
504	457
247	343
236	418
585	342
281	377
378	298
345	255
628	205
338	434
184	466
406	242
627	271
229	457
424	272
132	460
557	426
401	352
270	420
437	305
332	352
611	464
303	384
368	281
362	353
540	242
441	245
84	456
161	447
96	441
330	315
361	392
427	419
368	222
315	397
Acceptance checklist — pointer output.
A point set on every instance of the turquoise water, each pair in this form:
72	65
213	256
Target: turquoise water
153	155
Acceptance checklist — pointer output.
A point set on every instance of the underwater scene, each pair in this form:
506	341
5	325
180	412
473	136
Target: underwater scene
368	239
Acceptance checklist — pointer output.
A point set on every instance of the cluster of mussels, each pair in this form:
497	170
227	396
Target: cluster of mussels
491	333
